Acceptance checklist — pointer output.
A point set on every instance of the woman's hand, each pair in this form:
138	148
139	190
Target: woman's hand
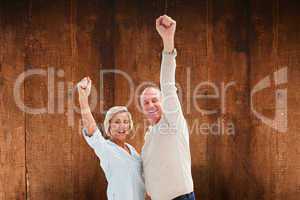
84	88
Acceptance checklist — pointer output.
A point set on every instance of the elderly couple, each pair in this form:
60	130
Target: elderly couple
163	171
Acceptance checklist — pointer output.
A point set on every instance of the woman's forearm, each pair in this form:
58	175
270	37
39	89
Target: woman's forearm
87	118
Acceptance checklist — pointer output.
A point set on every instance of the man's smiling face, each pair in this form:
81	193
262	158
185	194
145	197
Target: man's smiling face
151	104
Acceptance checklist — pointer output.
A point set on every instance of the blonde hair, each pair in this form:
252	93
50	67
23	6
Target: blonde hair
111	113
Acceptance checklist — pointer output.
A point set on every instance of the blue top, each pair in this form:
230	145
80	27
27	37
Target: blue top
123	171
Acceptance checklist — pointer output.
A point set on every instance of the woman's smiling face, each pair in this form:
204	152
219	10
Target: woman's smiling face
119	126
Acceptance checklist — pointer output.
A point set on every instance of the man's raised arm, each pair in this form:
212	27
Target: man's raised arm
166	27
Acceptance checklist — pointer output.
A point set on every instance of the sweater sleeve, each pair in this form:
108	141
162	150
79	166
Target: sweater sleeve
170	101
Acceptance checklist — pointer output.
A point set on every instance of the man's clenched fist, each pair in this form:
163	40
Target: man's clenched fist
166	27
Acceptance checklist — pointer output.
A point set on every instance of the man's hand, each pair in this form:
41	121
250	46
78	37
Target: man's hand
166	27
84	88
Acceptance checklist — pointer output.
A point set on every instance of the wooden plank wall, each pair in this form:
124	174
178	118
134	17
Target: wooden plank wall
12	127
43	156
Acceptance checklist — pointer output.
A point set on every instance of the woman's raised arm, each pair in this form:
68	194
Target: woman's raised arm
84	90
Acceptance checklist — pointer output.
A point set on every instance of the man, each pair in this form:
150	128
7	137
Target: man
166	152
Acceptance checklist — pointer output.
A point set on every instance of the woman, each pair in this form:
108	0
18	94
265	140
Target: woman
120	162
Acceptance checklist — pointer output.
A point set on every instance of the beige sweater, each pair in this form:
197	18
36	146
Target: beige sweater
166	152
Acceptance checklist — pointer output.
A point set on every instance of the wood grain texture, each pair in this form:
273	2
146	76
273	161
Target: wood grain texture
230	45
12	127
228	152
273	47
76	42
92	27
48	137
